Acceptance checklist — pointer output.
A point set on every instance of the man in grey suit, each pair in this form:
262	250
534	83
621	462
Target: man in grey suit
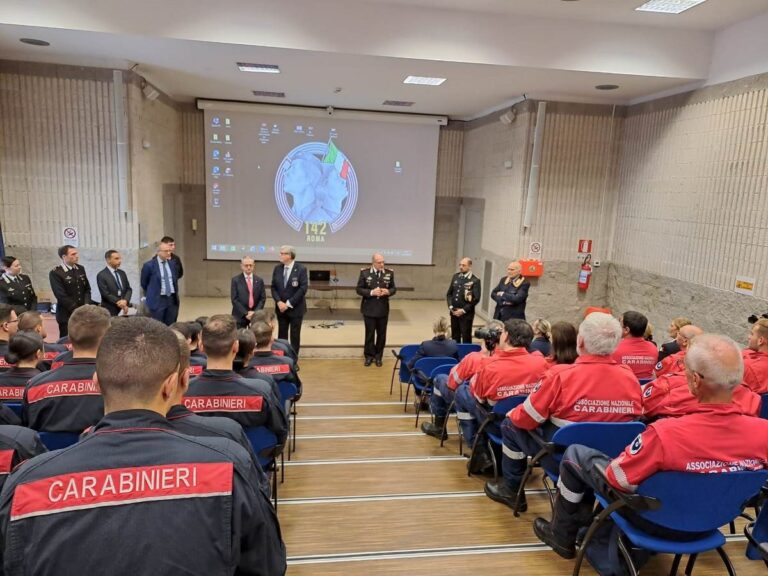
113	285
247	293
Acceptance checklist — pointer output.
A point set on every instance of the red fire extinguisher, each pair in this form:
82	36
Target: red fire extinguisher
585	274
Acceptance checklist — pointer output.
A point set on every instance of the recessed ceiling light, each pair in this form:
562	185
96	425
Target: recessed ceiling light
607	87
267	94
397	103
668	6
424	80
34	42
265	68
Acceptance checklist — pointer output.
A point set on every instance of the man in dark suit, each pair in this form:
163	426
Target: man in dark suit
160	282
463	295
247	293
511	294
289	291
174	257
113	285
69	285
376	284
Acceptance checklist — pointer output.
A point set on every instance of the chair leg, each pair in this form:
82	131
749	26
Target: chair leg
727	562
445	425
732	527
274	481
293	413
495	464
690	563
282	467
675	564
521	489
627	557
407	393
392	381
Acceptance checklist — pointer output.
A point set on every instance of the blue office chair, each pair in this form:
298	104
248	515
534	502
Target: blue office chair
419	376
15	406
757	534
610	438
495	416
465	349
57	440
266	448
429	387
288	393
401	360
764	406
695	505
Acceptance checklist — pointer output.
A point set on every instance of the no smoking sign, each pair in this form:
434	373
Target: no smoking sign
71	236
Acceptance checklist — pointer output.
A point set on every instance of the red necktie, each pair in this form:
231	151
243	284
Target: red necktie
250	291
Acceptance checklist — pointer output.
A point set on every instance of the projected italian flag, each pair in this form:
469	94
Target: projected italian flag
334	156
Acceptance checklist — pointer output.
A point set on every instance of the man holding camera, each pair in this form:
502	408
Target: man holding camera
445	386
463	295
513	372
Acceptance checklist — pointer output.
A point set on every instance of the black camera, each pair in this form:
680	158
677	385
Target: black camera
754	318
491	336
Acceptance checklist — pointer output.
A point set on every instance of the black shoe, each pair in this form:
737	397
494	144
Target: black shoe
379	363
368	361
435	430
500	492
480	463
543	530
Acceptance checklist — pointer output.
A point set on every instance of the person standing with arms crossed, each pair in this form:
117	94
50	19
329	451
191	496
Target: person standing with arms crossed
375	284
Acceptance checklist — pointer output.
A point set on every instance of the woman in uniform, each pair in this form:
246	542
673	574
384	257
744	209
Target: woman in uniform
16	288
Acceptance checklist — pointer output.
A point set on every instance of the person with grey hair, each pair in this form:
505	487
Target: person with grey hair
246	293
595	388
289	291
713	369
376	285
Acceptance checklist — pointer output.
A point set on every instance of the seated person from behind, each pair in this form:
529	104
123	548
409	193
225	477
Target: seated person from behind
445	385
189	330
733	442
755	358
265	363
196	356
593	389
190	505
673	364
634	350
512	372
187	422
32	321
246	344
563	349
67	399
8	325
17	444
280	346
220	391
542	335
440	345
24	353
669	348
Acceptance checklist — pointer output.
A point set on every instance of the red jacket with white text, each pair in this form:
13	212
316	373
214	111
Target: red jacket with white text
670	396
513	372
756	370
593	389
638	354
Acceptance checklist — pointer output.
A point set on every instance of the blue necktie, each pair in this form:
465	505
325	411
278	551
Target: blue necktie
167	278
119	284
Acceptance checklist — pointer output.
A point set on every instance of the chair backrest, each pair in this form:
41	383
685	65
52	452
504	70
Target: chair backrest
465	349
288	391
57	440
764	406
609	437
759	533
406	353
15	406
263	442
442	369
504	405
698	502
429	363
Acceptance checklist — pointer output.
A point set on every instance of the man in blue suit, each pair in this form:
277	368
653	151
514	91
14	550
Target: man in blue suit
289	290
160	282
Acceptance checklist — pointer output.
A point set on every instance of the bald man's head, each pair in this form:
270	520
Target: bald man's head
686	334
377	260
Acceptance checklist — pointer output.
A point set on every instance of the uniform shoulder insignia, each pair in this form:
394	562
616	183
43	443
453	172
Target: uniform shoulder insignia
517	282
388	270
364	268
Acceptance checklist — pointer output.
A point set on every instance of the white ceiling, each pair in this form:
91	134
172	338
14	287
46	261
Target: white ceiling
491	53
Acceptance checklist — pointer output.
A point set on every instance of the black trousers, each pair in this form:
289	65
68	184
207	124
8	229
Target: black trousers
294	323
461	328
375	336
63	328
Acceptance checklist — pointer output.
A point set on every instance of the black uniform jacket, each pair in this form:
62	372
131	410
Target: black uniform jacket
375	306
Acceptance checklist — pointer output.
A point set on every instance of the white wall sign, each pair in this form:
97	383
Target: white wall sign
535	249
71	236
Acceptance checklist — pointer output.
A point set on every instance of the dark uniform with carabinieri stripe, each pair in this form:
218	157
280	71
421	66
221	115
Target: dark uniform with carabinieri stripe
464	294
18	293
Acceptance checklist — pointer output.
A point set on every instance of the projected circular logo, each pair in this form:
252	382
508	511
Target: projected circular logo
316	189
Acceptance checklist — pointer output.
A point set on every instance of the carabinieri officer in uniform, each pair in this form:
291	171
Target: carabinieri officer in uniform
376	285
16	288
511	294
463	295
